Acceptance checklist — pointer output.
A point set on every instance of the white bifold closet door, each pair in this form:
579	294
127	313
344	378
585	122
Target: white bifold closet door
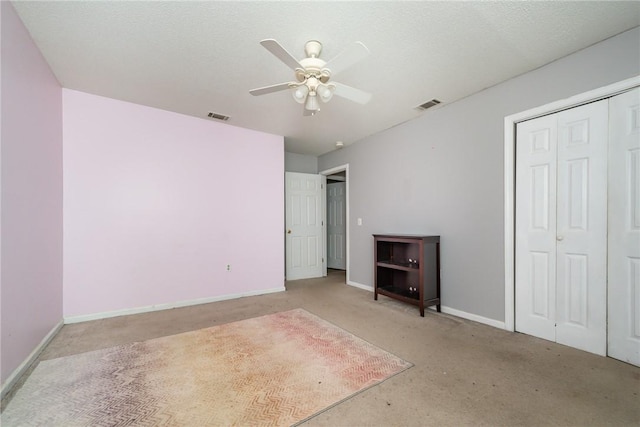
624	228
561	227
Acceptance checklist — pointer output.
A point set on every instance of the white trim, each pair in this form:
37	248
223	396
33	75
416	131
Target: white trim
470	316
360	285
332	171
336	169
509	177
323	196
167	306
448	310
26	364
509	224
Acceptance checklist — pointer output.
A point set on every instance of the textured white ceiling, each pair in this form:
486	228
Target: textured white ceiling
196	57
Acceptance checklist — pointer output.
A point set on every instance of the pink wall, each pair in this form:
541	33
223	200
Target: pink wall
157	204
31	181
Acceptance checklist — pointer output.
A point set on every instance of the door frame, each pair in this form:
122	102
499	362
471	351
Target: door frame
342	168
510	123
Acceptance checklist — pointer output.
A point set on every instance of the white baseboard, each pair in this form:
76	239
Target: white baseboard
470	316
359	285
167	306
447	310
17	373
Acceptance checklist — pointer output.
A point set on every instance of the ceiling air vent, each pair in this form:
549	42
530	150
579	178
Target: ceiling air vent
428	104
218	116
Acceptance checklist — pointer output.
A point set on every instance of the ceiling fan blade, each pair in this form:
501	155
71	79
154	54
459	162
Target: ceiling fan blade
281	53
351	93
350	55
269	89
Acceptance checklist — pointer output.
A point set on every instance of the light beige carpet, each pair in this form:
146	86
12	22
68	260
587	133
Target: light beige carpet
279	369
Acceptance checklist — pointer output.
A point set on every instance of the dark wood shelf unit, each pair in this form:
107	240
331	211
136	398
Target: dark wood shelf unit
407	268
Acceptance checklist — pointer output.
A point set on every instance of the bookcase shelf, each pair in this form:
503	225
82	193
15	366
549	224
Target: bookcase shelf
407	268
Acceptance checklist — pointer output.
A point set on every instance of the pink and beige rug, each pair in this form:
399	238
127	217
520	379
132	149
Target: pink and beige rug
279	370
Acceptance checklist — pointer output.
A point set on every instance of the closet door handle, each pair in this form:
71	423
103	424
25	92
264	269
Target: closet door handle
559	238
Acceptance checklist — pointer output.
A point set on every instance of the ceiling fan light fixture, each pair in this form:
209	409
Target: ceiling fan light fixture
300	93
312	103
325	92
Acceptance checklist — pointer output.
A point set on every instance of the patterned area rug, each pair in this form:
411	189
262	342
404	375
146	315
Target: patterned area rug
279	369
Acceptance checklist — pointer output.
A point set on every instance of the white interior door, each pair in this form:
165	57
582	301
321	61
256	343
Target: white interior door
581	260
561	227
303	222
535	293
336	225
624	228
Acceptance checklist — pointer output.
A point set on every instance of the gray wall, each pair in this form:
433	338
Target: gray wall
300	163
442	173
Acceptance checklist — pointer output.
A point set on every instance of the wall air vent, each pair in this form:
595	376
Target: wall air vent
218	116
428	104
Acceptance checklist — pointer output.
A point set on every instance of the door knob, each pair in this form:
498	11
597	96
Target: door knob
559	238
289	231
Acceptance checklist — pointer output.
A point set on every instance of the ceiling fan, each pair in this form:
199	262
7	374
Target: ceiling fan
313	75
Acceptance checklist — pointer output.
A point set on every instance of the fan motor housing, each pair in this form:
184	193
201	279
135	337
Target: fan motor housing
313	67
313	64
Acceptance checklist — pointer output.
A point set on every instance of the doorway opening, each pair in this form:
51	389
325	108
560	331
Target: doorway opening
336	230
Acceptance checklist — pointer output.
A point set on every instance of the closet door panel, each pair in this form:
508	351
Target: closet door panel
624	228
535	293
581	239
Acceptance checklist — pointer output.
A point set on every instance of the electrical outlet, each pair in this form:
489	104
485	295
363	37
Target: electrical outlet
228	267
